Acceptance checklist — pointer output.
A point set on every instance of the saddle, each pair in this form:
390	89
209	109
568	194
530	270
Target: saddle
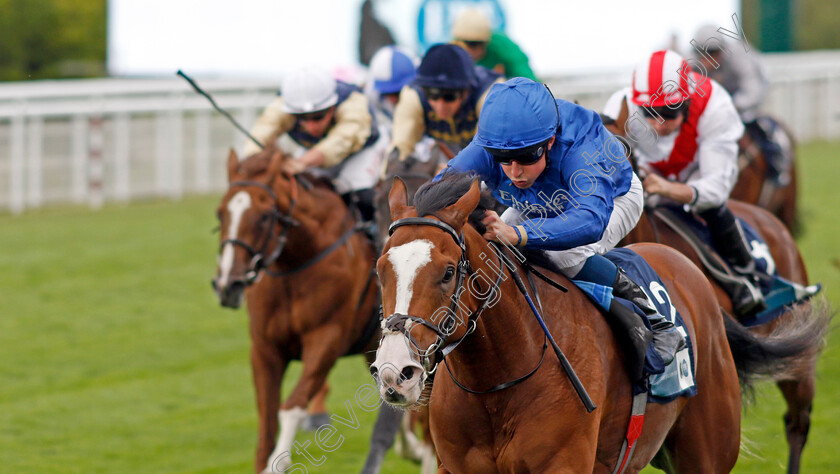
630	327
778	292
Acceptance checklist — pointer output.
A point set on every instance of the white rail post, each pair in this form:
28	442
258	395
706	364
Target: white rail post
79	156
96	167
162	150
16	145
34	162
176	144
122	157
202	151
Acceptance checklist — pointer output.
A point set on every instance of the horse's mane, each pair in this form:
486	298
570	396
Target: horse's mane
435	196
258	164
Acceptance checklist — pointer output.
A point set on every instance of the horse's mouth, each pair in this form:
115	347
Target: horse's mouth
392	397
231	295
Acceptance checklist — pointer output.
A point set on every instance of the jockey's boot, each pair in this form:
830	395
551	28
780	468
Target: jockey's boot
729	240
769	148
667	340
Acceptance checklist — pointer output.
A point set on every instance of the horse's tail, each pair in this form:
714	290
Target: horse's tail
789	349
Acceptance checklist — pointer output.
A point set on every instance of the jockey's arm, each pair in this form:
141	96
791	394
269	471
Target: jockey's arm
409	123
348	135
568	217
719	130
273	122
673	190
575	205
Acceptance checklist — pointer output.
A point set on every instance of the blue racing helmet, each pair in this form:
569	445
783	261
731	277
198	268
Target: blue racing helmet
391	69
518	115
446	66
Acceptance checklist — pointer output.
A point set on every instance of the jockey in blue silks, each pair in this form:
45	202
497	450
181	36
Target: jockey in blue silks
570	189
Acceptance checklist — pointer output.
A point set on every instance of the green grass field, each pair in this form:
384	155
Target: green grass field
115	356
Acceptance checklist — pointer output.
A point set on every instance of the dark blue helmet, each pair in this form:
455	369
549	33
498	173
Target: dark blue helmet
446	66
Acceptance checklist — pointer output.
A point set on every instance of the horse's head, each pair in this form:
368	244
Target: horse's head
254	216
422	272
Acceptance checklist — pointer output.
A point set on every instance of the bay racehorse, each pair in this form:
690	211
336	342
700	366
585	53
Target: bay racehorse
293	248
436	269
756	186
797	386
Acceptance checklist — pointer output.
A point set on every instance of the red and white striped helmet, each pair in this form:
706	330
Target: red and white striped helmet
662	79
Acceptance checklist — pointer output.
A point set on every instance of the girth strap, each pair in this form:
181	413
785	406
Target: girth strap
634	430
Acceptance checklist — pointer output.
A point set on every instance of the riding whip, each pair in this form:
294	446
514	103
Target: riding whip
221	110
567	367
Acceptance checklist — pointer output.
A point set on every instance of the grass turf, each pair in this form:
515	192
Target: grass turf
114	354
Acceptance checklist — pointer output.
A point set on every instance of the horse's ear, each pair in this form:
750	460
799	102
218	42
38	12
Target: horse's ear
233	166
457	214
398	199
275	166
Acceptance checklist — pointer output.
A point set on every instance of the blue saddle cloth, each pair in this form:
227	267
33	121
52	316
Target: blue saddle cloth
778	292
666	382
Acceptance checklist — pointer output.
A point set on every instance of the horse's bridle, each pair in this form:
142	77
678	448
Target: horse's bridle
258	261
436	352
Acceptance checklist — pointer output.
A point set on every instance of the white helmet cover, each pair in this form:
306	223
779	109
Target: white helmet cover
308	90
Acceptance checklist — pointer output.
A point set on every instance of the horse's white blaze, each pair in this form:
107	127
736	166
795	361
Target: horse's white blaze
281	457
238	204
392	357
407	259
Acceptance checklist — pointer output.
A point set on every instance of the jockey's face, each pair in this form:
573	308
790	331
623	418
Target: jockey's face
391	98
523	176
667	126
712	61
447	103
477	49
316	123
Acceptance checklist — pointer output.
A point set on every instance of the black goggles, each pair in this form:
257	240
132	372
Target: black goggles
313	116
447	95
667	113
524	156
475	44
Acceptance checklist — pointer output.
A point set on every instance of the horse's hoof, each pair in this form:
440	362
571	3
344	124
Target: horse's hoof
279	464
315	421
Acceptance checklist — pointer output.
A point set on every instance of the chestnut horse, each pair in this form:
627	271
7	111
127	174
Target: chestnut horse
536	423
797	386
293	248
756	187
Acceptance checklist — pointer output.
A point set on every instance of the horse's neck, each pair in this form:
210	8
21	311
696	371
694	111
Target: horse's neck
323	218
502	325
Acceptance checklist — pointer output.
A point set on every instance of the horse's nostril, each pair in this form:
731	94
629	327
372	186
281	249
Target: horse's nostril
373	371
214	284
236	286
406	374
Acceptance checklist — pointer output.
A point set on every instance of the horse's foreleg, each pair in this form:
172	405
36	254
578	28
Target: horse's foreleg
318	404
799	395
268	368
317	362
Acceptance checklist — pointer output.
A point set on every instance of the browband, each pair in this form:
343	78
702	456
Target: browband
424	221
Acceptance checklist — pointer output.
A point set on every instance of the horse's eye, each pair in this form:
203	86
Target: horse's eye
450	272
265	218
